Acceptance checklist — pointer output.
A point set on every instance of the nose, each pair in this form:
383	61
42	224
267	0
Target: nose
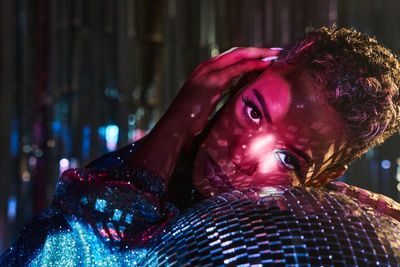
250	154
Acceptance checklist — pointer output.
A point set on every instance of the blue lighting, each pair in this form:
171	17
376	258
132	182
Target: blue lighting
64	248
56	127
112	132
385	164
117	214
12	208
86	142
84	201
67	138
102	131
100	205
128	218
14	138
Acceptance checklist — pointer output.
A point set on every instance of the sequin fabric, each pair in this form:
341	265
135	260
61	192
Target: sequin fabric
280	227
98	217
105	215
121	205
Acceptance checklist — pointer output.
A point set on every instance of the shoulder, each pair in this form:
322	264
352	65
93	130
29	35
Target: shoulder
380	202
114	159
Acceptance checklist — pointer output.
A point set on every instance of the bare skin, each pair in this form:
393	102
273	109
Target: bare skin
188	114
293	138
272	132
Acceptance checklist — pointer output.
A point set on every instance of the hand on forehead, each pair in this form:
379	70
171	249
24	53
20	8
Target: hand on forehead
275	127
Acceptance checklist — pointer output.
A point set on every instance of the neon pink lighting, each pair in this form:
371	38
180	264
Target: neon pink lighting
267	163
259	145
262	150
114	234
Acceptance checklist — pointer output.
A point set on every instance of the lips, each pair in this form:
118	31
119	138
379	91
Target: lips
215	175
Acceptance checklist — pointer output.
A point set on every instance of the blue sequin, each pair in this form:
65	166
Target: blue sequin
128	218
117	215
100	205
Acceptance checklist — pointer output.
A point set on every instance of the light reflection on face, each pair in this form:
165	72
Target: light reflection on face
274	131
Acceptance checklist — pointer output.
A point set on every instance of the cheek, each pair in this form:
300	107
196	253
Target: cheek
268	164
257	153
223	136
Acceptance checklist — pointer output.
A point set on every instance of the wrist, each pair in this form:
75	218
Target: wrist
160	149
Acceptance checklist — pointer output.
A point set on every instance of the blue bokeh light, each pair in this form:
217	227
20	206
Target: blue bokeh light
112	132
12	208
385	164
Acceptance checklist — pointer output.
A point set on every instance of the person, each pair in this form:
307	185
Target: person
297	117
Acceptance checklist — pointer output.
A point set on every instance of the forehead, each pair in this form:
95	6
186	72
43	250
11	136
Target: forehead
299	113
287	89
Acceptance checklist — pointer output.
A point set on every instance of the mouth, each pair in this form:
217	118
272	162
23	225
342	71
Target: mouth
216	177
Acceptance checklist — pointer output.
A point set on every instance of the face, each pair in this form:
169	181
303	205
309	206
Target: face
274	131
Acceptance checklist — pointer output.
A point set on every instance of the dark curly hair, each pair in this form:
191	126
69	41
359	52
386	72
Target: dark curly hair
360	79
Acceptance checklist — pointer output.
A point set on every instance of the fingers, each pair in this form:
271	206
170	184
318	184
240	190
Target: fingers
228	73
234	56
238	54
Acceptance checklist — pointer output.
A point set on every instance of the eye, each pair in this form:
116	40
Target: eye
287	160
251	112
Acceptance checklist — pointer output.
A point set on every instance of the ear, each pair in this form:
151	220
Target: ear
330	174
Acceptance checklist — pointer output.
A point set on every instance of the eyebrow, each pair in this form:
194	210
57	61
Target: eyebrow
301	154
264	108
261	100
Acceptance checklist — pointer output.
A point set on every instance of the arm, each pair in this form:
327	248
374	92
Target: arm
121	205
188	114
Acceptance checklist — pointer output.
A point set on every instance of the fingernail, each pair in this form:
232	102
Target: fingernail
276	48
269	58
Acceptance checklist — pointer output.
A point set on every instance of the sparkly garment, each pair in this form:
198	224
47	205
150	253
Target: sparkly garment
104	215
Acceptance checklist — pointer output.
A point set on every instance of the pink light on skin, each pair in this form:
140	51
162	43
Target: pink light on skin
268	163
270	123
259	145
262	149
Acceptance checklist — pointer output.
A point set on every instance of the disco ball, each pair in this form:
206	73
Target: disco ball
279	226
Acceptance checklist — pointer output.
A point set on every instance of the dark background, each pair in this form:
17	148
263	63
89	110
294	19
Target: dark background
71	68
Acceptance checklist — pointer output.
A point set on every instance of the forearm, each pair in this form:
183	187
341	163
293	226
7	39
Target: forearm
190	111
159	150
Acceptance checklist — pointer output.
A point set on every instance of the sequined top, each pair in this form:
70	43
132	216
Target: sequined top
100	215
107	215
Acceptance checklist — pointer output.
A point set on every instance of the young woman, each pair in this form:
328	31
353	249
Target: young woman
297	118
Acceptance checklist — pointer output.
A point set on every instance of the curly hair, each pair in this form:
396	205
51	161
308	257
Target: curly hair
360	80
